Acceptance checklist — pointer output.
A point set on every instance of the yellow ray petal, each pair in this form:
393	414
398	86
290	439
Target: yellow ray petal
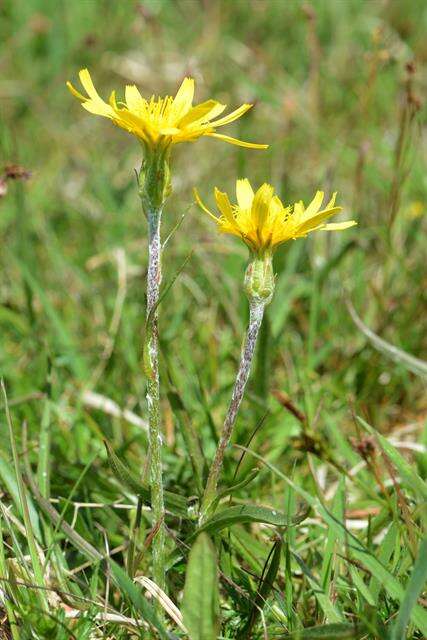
244	193
331	202
112	101
224	206
238	143
132	123
202	206
88	85
298	212
202	112
277	210
75	93
339	226
99	108
95	104
232	116
313	222
184	97
133	98
261	205
314	205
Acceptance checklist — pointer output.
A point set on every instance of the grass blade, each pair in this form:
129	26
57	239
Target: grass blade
410	362
35	560
415	585
411	478
265	585
358	550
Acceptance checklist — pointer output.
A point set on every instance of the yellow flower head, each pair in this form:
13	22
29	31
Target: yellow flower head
263	222
162	121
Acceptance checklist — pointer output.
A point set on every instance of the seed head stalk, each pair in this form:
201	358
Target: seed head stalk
154	187
259	286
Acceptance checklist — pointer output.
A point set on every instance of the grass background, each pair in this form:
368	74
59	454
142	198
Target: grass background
337	88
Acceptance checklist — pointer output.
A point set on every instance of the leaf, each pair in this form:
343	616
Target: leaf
410	362
416	584
77	540
65	338
8	478
200	605
235	487
265	585
337	510
329	609
190	436
175	503
359	551
39	576
134	595
328	632
168	286
119	575
240	514
411	478
124	475
361	587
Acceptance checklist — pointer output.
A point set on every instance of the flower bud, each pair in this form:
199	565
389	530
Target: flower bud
259	279
154	179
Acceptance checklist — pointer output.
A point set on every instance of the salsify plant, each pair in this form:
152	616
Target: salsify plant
158	123
263	223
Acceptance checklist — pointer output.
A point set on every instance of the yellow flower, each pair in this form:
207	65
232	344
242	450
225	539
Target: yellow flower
264	223
162	121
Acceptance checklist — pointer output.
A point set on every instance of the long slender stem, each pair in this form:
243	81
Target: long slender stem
153	394
256	312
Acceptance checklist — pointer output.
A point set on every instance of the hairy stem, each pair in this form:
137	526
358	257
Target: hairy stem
151	360
256	312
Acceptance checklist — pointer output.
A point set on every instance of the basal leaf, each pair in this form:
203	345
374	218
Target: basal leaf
200	606
245	514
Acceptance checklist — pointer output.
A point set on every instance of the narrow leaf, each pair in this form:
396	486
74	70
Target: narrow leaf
265	585
406	470
175	503
200	606
415	585
330	610
359	551
329	632
246	514
138	601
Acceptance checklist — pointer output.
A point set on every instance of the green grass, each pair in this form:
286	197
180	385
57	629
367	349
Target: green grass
341	111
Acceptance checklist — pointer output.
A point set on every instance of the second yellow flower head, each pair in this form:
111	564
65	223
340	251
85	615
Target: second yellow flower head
262	221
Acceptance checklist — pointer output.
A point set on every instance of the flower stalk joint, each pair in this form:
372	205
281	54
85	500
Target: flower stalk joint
154	178
259	279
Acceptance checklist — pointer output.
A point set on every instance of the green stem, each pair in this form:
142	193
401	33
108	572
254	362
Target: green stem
256	312
151	360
